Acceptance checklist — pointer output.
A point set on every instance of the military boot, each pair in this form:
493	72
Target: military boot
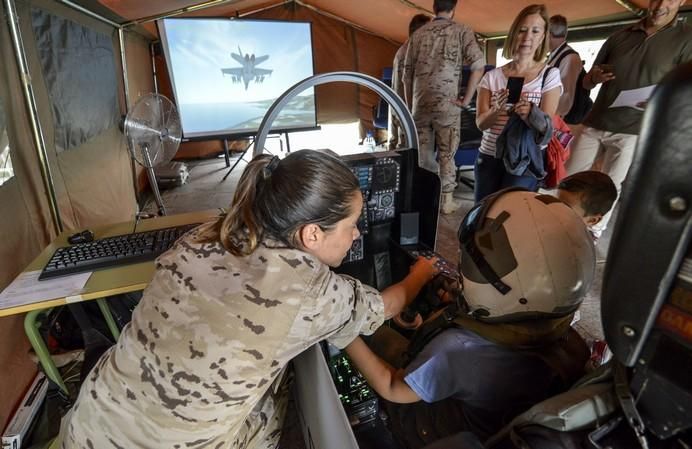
449	204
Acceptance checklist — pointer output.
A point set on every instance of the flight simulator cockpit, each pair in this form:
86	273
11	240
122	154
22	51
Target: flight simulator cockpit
398	223
399	220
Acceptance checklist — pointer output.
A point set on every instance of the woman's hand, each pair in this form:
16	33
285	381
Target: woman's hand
498	100
523	108
399	295
425	267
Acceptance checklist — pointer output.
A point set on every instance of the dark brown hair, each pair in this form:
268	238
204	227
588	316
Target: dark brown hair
444	6
416	22
511	40
596	190
277	197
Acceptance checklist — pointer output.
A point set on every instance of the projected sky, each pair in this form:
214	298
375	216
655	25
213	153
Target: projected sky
199	55
226	73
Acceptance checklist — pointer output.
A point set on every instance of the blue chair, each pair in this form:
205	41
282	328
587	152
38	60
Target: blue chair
470	142
380	113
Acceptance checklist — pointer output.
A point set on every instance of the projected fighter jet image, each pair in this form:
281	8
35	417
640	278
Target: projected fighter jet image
249	70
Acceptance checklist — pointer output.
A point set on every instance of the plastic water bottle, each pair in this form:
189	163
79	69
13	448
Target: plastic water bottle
369	142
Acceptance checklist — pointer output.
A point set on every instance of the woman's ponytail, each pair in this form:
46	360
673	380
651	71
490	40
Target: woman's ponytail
240	231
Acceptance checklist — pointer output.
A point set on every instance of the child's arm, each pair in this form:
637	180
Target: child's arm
387	381
399	295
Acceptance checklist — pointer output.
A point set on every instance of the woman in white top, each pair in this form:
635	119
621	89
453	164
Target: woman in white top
527	45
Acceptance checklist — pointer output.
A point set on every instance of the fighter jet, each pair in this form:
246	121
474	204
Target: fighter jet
249	70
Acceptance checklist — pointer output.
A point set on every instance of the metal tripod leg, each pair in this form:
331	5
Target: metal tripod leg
152	180
242	155
226	153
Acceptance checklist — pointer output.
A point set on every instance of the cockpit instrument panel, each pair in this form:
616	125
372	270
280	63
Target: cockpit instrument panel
379	180
385	176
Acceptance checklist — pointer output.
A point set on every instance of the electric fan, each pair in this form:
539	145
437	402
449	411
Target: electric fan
152	128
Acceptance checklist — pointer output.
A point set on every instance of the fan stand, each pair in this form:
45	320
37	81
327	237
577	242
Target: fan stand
152	179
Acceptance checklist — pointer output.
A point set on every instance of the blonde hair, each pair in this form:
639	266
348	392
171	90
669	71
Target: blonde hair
278	197
511	41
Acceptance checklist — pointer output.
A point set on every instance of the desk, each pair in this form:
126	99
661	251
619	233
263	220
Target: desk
102	283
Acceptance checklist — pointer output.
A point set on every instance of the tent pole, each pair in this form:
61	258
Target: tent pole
256	11
123	64
413	5
581	27
152	51
631	7
128	102
88	12
177	12
30	100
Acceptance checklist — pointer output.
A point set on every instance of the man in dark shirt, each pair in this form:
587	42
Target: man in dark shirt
636	57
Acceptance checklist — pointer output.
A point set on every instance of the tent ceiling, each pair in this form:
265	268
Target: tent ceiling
389	18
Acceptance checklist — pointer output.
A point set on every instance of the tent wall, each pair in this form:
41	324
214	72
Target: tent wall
25	223
337	46
140	81
93	181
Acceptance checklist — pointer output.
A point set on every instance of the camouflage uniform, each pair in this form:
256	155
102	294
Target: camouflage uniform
396	134
201	363
431	78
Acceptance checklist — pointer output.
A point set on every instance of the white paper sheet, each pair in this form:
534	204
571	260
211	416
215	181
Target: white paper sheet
632	97
27	289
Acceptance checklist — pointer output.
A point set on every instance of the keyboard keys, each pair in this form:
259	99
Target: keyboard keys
112	251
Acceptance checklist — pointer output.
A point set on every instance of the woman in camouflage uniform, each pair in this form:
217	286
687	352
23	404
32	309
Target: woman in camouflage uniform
202	361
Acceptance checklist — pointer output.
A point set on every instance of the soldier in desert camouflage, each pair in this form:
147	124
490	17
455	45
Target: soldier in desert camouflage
431	79
202	364
396	134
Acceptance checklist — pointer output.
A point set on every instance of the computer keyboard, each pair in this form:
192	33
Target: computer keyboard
112	251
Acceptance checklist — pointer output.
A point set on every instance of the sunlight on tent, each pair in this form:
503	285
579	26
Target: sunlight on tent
343	138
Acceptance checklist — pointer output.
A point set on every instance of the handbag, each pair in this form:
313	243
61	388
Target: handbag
557	153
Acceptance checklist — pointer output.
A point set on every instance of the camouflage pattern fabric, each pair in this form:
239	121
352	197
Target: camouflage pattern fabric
396	135
447	140
200	364
431	79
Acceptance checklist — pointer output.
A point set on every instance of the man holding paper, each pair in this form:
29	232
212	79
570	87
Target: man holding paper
629	65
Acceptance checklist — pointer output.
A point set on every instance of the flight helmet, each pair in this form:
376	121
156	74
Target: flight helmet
524	256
